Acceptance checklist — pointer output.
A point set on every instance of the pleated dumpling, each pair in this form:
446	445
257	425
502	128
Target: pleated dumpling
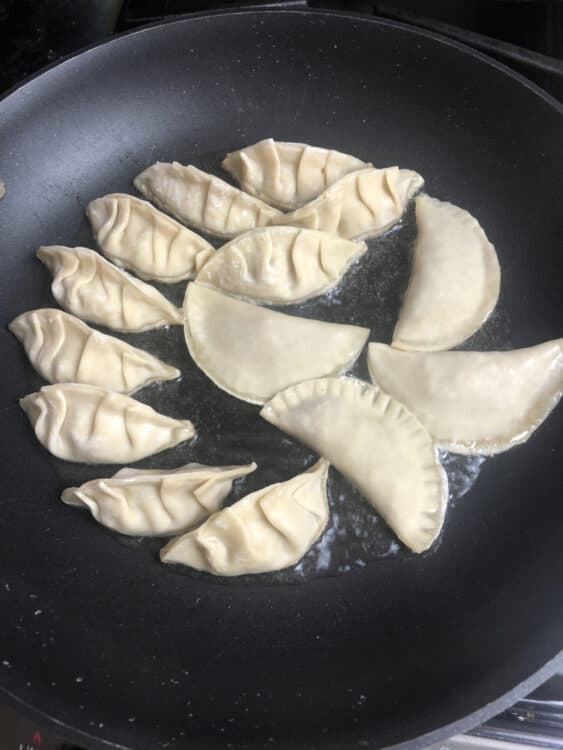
359	205
267	530
135	235
156	502
89	424
280	265
287	175
252	352
63	349
375	442
203	200
455	279
88	285
474	402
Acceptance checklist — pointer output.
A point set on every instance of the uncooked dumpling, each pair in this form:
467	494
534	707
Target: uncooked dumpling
455	279
253	353
134	234
88	285
280	265
156	502
85	423
267	530
359	205
287	175
63	349
203	200
375	442
474	402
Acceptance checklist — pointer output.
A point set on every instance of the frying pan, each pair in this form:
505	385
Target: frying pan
123	652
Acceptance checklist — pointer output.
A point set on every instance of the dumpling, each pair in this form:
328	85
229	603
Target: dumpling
359	205
133	234
474	402
203	200
287	175
89	424
375	442
252	353
63	349
267	530
280	265
455	279
89	286
156	502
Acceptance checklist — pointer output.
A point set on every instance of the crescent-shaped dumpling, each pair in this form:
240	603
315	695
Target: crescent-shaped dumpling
252	352
474	402
135	235
156	502
63	349
280	265
360	205
455	279
203	200
267	530
88	285
287	175
375	442
89	424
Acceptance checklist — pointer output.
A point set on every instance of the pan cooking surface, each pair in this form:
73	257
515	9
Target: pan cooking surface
402	645
232	432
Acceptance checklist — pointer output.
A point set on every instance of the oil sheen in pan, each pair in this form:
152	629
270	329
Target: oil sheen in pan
231	431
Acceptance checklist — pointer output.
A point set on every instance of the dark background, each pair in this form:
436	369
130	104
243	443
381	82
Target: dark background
526	35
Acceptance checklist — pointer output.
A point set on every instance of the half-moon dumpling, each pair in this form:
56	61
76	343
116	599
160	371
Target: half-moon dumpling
203	200
89	424
474	402
252	353
375	442
455	279
88	285
134	234
267	530
63	349
280	265
359	205
287	175
156	502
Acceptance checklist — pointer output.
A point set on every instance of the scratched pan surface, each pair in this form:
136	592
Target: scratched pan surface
363	643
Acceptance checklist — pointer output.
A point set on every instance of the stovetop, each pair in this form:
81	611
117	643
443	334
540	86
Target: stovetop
526	35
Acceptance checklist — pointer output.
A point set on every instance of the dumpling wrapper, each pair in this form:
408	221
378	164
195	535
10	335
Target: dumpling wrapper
455	279
377	444
287	175
89	286
474	402
280	265
63	349
360	205
89	424
156	502
203	200
267	530
135	235
252	352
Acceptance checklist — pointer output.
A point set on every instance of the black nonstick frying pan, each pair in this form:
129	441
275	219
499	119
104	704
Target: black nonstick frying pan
128	653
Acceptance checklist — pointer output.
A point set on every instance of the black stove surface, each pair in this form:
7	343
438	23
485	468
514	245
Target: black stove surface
526	35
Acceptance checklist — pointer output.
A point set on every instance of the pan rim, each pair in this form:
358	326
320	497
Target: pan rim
505	700
460	726
377	21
